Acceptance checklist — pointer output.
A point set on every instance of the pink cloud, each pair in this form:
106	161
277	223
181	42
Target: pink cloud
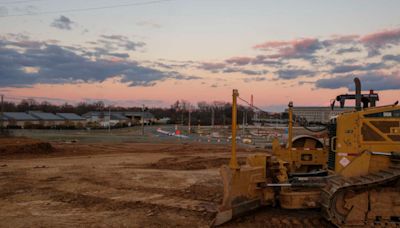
239	60
265	60
303	42
292	47
340	39
212	66
271	44
257	60
389	36
298	48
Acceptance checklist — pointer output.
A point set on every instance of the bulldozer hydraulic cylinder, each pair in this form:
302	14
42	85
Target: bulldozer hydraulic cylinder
310	185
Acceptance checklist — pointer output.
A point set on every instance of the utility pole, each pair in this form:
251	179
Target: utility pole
243	123
246	122
190	119
212	117
2	112
182	116
143	119
109	119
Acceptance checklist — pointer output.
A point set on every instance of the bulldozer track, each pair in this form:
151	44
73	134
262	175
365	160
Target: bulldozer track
337	186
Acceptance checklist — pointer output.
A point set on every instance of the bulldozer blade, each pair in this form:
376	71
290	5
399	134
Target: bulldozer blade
222	217
236	211
241	193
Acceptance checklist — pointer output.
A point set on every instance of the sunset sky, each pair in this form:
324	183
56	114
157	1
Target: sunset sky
133	52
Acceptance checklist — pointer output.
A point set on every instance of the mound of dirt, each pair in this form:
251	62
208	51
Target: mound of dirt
204	192
191	163
15	146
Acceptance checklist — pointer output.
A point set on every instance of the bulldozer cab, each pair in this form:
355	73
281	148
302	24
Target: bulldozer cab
363	133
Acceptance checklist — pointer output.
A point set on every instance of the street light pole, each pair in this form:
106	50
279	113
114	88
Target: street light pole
243	123
143	119
2	114
189	127
212	117
182	116
109	119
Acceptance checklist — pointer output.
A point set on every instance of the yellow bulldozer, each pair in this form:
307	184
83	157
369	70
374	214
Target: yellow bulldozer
354	178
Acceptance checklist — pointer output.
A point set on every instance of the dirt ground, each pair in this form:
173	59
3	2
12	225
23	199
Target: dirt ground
121	185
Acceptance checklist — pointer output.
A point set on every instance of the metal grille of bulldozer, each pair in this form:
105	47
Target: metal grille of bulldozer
331	156
385	126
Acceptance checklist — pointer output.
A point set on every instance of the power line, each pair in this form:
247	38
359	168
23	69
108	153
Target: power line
87	9
18	2
252	106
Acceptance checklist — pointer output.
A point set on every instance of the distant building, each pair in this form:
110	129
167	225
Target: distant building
37	119
270	122
164	120
113	118
318	114
72	119
47	119
136	117
19	120
3	121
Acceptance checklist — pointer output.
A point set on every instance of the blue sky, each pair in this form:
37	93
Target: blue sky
226	27
170	34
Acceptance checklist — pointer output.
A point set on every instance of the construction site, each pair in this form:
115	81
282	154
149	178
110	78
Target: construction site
136	183
131	178
188	113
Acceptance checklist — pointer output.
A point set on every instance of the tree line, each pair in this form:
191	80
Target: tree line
204	113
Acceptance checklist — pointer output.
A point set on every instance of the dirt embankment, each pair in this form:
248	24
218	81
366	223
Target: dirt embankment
20	145
191	163
122	185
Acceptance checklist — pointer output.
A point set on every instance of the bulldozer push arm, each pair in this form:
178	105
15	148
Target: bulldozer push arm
255	184
241	183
